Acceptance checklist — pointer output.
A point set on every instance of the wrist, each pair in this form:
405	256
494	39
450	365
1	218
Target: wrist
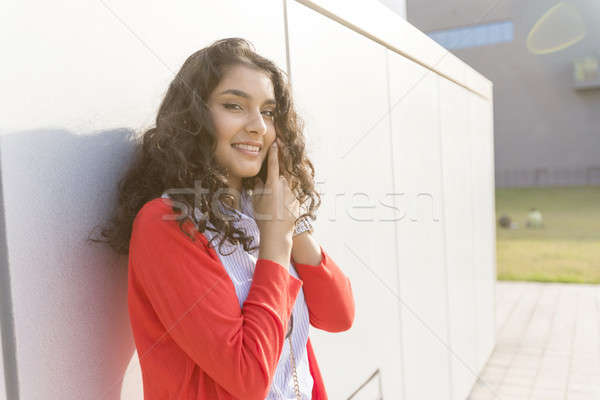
279	251
306	250
279	244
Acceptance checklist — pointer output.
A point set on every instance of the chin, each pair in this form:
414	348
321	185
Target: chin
251	174
248	173
251	170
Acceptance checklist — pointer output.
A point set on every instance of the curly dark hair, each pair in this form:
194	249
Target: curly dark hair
178	153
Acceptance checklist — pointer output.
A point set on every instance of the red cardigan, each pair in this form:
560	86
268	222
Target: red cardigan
192	338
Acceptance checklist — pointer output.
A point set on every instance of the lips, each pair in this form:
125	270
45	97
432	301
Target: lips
251	146
246	148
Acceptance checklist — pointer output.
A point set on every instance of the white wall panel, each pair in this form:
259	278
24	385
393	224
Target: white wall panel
84	66
458	232
78	67
416	149
344	104
374	20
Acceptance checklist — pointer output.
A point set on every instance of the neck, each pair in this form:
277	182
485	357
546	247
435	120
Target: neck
236	200
236	187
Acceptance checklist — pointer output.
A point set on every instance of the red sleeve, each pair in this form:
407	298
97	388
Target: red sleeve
318	392
328	294
195	300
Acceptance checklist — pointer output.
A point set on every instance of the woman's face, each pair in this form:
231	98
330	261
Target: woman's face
242	107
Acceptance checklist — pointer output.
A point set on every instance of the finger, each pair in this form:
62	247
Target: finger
288	186
292	207
282	154
257	188
273	167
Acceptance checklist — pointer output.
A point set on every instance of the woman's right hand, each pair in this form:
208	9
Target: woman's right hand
275	205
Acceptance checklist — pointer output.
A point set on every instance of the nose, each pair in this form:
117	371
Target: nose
256	123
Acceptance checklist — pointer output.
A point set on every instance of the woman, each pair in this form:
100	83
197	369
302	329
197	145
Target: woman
228	152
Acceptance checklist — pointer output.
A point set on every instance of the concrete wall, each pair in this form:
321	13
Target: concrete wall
402	138
546	131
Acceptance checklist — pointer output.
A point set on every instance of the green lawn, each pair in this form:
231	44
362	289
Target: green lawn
567	249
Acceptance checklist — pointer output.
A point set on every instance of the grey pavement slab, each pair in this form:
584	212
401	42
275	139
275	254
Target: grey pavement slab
547	343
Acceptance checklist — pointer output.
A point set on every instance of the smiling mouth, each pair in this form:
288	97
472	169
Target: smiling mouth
247	149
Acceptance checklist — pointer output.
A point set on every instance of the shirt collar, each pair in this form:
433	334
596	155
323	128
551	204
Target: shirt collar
247	210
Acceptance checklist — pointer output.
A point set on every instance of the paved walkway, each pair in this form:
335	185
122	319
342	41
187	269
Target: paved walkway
547	343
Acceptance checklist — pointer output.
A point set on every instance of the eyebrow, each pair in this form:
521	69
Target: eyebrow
241	93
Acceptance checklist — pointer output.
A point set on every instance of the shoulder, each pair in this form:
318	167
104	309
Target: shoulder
157	236
157	207
157	217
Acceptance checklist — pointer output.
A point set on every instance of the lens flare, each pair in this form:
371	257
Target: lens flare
560	27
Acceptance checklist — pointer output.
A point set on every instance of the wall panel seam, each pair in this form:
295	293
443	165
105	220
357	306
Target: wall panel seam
445	244
396	255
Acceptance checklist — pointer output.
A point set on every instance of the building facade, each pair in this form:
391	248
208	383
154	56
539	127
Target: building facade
543	58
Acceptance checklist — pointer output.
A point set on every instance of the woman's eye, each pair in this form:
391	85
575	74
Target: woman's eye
232	106
229	105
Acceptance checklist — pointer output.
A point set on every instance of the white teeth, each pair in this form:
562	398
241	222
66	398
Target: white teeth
247	147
